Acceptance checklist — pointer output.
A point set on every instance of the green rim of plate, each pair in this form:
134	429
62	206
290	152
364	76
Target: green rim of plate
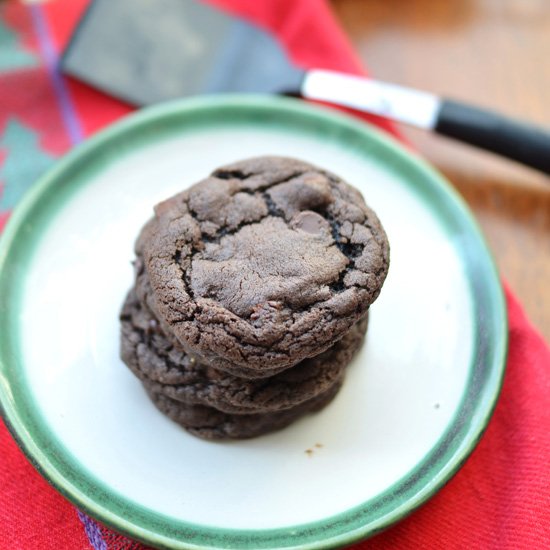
55	462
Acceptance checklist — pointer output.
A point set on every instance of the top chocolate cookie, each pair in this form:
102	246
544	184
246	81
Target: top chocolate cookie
264	263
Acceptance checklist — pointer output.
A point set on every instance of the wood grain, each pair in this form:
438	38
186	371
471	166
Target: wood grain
494	53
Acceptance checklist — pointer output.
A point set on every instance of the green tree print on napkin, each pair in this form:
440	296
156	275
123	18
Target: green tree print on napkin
12	55
23	163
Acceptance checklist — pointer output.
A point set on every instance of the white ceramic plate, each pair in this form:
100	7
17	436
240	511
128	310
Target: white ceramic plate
416	398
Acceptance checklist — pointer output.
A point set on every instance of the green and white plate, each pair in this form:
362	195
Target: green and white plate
416	399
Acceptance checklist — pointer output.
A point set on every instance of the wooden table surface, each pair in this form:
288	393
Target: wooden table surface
494	53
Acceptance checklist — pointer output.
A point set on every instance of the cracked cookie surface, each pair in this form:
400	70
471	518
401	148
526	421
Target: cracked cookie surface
266	262
165	369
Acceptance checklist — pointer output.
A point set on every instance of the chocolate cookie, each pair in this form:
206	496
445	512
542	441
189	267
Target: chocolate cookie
209	423
265	263
166	369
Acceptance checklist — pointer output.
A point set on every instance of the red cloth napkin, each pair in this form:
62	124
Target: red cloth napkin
500	498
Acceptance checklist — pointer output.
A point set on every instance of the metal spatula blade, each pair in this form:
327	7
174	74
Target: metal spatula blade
148	51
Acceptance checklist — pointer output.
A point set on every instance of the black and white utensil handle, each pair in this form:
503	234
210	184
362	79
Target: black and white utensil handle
510	138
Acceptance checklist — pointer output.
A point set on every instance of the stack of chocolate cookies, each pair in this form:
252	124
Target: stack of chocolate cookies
251	296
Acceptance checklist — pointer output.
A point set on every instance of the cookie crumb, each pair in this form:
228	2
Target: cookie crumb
309	452
318	445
